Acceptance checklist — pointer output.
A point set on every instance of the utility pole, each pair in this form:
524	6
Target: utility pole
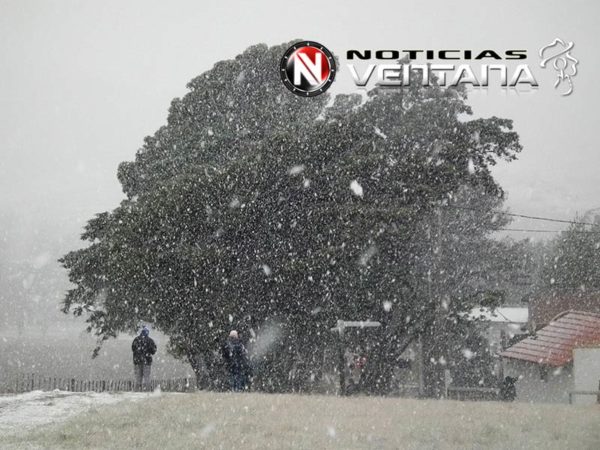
341	357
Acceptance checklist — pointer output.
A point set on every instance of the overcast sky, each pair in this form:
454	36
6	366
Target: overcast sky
82	83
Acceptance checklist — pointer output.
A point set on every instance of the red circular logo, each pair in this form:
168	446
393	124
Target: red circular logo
307	69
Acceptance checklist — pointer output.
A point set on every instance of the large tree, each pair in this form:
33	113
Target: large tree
253	206
573	263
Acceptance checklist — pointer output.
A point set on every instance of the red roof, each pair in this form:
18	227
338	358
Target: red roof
553	344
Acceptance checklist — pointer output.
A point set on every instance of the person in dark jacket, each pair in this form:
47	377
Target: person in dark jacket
508	391
236	360
143	347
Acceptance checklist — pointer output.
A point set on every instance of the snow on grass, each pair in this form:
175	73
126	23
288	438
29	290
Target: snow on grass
258	421
30	410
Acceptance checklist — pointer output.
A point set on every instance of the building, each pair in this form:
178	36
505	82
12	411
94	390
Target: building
562	357
502	324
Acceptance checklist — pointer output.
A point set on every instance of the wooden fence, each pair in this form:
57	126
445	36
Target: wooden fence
575	393
472	393
35	382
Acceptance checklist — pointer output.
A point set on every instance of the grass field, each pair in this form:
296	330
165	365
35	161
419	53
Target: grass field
248	421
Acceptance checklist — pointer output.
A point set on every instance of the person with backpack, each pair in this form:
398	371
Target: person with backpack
143	347
236	361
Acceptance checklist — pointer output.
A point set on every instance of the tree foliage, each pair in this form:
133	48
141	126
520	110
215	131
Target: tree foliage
573	260
240	212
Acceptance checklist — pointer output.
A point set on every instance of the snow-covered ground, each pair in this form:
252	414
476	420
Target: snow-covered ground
22	412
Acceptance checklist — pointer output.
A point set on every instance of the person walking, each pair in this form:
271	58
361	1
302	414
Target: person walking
236	359
143	347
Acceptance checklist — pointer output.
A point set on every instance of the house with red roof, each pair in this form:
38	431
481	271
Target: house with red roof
561	357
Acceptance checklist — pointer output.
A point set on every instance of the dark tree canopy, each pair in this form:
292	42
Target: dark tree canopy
252	206
573	259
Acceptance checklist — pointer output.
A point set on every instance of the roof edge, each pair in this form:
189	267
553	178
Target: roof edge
576	311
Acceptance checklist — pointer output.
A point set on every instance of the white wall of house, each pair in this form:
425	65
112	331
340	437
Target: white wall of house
586	373
495	331
532	387
505	321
